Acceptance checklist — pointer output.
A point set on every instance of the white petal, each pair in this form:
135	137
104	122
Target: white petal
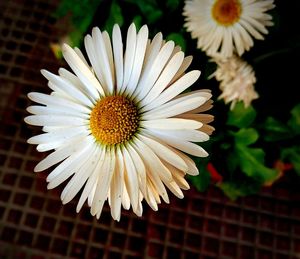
150	198
165	78
153	50
148	80
103	183
141	43
174	107
192	169
80	55
55	101
82	71
163	152
171	123
95	61
188	135
58	135
182	145
139	166
151	53
129	54
131	179
68	166
116	188
60	142
174	188
184	66
90	186
155	168
53	120
67	88
178	177
91	194
107	44
60	154
125	198
118	55
80	177
175	89
56	110
103	58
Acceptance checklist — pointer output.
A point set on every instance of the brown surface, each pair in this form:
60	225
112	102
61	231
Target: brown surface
33	222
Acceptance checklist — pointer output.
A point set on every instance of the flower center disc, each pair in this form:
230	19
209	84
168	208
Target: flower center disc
226	12
113	120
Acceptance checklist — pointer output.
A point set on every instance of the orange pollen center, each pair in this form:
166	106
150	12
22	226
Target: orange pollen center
226	12
113	120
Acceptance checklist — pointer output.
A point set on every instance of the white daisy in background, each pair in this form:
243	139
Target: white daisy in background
237	80
227	26
121	127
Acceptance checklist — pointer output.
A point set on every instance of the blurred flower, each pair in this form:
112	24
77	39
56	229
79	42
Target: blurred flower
227	26
282	168
215	176
120	129
237	80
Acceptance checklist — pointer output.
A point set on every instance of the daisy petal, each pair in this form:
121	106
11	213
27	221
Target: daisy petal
82	71
116	188
163	152
118	55
103	183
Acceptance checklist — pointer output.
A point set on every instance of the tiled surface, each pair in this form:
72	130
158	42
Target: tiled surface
33	222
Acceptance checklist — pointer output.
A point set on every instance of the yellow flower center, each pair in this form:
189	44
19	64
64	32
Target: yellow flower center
113	120
226	12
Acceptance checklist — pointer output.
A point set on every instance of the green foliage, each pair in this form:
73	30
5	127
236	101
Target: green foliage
80	20
292	155
172	4
201	181
240	116
178	39
276	130
245	137
149	9
252	160
235	190
294	121
115	16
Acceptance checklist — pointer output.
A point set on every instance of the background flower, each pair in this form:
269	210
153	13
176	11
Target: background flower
236	79
224	27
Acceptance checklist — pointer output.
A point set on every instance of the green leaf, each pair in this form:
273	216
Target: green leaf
137	20
240	116
202	180
246	136
178	39
172	4
294	121
251	161
82	13
276	130
232	162
292	155
149	9
235	190
115	16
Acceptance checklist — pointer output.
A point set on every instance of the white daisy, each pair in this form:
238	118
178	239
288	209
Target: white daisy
120	128
227	26
237	80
